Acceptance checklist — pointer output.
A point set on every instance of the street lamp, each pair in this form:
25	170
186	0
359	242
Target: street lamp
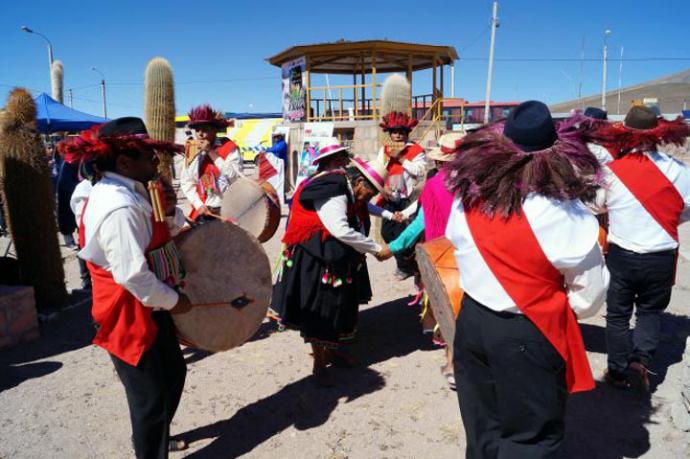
607	32
105	110
50	45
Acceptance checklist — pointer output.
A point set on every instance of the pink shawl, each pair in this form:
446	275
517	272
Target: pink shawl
436	203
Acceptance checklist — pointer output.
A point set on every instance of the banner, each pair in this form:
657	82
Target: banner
294	89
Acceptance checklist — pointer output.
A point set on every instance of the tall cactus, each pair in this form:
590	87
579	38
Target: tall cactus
29	207
57	81
395	95
159	106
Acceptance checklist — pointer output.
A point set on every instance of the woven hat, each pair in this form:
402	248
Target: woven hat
331	147
374	171
448	145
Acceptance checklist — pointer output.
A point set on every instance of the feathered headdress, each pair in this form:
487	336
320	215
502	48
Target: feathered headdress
626	140
90	146
398	120
204	115
493	173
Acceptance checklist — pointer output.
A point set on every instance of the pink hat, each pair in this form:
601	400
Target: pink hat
374	171
332	147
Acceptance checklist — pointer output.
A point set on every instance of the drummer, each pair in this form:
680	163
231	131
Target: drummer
323	277
132	304
216	166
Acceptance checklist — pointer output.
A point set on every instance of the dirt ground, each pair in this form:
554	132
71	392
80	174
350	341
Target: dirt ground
60	397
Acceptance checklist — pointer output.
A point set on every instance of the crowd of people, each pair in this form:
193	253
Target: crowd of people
522	201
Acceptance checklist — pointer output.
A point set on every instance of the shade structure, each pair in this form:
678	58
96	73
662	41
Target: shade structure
52	116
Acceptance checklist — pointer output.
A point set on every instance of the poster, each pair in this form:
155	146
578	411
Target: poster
315	135
294	89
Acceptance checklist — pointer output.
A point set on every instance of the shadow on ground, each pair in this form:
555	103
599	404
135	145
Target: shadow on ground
389	330
72	329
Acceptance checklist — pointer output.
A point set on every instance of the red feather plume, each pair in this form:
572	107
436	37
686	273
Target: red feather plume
398	120
625	140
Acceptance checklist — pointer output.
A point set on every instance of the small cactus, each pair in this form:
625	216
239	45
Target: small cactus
29	207
159	106
57	81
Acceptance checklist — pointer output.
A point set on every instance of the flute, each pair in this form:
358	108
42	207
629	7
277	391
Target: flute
154	187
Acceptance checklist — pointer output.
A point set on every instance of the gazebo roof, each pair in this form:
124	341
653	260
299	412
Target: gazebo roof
348	57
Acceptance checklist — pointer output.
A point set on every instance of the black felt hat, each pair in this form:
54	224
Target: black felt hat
596	113
128	125
530	126
641	118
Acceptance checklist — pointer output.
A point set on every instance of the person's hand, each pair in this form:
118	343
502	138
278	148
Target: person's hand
203	210
384	254
398	217
183	305
169	196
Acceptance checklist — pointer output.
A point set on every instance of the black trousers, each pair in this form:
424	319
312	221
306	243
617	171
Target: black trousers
153	389
643	282
390	230
510	383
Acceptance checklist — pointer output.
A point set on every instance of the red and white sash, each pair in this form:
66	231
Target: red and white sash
534	285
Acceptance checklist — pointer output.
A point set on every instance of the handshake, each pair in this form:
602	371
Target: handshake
383	254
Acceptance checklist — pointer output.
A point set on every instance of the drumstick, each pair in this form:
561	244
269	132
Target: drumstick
223	219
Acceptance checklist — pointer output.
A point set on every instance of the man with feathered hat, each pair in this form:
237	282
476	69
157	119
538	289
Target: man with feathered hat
646	195
130	255
216	166
530	265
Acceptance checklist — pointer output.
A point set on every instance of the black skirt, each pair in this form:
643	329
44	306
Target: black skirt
319	290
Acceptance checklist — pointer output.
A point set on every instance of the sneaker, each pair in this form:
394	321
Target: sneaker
639	377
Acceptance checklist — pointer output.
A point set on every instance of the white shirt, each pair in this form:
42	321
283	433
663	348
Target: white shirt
630	225
79	196
230	169
414	170
333	215
117	225
600	152
566	231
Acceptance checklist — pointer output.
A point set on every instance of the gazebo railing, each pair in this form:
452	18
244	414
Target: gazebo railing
351	103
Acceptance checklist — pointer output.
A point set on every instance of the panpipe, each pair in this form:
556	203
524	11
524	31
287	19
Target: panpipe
155	189
394	148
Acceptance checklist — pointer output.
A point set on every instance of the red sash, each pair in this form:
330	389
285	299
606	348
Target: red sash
654	191
266	169
209	173
409	153
535	286
126	328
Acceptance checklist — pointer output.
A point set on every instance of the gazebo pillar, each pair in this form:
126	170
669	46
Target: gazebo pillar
373	86
308	79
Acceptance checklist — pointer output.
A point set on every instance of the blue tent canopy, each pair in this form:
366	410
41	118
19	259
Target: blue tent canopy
52	116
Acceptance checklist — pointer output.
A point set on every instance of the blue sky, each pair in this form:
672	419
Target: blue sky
218	49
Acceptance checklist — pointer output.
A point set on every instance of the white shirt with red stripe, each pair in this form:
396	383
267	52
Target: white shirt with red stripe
567	233
630	224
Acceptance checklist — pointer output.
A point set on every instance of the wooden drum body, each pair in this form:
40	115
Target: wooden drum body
441	277
228	281
253	206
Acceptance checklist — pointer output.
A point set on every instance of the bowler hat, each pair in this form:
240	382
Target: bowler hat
530	126
596	113
128	125
641	117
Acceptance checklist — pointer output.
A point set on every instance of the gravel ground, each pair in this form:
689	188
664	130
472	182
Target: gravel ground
60	397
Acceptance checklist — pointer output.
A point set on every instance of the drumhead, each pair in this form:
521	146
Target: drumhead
253	206
438	268
228	281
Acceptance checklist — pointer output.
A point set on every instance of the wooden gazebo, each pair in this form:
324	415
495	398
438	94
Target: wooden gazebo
362	58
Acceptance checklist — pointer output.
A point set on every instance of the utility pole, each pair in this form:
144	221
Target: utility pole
487	97
582	73
603	77
50	46
105	110
620	81
71	98
452	81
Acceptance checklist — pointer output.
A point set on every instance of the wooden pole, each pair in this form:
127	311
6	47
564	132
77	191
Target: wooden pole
373	86
308	78
354	93
433	82
364	82
340	103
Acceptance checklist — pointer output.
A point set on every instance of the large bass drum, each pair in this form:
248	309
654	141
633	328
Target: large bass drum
254	206
228	281
441	277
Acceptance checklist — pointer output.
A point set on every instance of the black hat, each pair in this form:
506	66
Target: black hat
640	117
530	126
129	125
596	113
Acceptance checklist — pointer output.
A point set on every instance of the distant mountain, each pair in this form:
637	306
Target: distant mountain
671	91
